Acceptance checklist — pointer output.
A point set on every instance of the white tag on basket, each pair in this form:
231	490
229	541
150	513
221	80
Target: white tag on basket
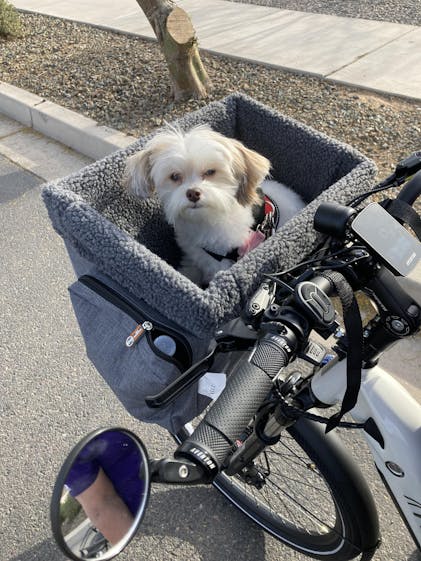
212	384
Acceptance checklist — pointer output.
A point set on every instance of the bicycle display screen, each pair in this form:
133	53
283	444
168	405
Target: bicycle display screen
388	238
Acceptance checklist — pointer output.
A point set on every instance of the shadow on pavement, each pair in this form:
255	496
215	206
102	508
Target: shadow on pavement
203	518
195	516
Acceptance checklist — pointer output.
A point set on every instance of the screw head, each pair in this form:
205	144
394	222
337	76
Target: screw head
397	325
183	471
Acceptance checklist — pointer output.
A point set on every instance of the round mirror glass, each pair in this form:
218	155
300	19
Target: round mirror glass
100	495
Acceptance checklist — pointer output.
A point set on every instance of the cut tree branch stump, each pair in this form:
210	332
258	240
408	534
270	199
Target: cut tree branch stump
178	41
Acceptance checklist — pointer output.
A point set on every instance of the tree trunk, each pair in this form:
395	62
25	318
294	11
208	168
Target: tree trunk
177	38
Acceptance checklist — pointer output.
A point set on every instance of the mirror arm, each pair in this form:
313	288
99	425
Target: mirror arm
177	472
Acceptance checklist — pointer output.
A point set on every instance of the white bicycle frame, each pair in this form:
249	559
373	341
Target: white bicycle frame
398	418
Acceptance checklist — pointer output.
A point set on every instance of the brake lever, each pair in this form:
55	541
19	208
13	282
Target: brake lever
183	382
408	167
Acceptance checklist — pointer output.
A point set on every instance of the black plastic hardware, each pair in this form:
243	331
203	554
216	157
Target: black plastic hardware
200	456
177	471
235	335
333	218
183	382
315	302
408	166
313	353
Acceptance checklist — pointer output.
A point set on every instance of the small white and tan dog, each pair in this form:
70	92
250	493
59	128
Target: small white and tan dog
209	188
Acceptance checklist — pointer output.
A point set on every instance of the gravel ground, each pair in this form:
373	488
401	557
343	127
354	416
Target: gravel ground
122	82
397	11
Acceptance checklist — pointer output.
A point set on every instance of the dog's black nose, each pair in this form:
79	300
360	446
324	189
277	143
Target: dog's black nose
193	195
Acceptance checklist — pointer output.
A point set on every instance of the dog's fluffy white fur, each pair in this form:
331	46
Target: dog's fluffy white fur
207	184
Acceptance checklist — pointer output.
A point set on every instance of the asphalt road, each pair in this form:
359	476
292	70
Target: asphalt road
14	180
50	397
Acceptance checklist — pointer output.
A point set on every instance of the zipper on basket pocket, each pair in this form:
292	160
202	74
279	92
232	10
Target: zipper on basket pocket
145	325
138	332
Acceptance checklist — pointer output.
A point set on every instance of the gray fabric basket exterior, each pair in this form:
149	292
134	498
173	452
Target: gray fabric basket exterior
136	372
129	240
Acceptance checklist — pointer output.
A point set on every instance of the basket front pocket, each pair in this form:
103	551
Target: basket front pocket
122	342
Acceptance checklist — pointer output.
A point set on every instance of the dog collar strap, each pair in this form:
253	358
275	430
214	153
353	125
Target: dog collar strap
255	238
233	255
272	208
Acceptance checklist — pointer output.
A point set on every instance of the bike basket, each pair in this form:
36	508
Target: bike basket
125	244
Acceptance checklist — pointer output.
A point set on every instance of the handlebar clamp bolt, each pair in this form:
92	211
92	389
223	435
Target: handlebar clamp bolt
397	325
183	471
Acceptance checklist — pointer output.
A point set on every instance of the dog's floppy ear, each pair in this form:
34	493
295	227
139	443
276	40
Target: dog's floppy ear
251	168
137	175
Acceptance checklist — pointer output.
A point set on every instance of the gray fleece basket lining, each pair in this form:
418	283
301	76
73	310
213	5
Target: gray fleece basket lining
113	235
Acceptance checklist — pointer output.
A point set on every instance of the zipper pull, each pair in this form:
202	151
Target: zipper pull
138	332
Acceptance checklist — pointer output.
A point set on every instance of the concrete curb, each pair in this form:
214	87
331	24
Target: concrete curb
68	127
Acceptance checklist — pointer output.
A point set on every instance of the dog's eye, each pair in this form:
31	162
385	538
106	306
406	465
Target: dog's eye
209	173
175	177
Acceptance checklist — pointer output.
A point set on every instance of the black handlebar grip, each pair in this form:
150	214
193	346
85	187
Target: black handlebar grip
247	388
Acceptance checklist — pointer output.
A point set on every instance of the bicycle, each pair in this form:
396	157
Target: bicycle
262	433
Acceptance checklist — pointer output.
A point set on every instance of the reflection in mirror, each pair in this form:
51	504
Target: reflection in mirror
100	495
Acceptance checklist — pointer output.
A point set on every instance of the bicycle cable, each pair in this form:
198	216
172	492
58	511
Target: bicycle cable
287	407
314	259
294	412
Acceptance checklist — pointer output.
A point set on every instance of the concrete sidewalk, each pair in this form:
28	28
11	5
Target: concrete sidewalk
380	56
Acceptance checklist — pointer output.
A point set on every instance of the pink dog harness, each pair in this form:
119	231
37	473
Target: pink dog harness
266	224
